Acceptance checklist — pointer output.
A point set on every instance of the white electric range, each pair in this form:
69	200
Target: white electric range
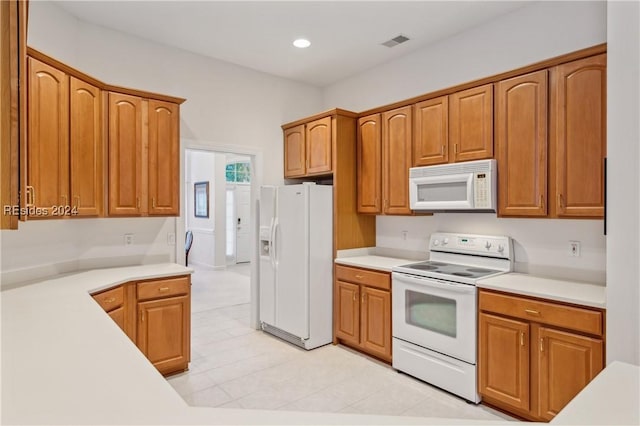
435	309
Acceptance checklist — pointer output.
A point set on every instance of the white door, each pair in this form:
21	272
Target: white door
242	223
292	260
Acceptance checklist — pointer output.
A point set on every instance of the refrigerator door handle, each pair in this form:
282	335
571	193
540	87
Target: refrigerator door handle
274	244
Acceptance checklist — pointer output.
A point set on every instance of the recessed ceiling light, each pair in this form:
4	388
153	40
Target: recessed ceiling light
302	43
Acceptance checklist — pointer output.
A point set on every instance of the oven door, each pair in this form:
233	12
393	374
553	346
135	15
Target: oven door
445	192
435	314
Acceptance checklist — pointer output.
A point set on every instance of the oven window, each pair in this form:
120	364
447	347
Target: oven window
445	191
431	312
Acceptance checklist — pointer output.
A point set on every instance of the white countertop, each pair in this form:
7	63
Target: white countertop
610	399
64	361
381	263
547	288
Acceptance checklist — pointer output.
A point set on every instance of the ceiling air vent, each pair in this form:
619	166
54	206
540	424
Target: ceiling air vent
395	41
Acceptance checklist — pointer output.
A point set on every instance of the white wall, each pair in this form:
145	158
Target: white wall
623	186
226	105
527	35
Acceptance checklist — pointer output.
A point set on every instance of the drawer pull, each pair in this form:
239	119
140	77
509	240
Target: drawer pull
110	300
163	289
532	312
522	338
359	277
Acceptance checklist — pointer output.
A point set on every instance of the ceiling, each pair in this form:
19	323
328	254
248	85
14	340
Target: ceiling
345	36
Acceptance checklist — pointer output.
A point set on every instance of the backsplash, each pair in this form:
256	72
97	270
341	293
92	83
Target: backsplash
541	246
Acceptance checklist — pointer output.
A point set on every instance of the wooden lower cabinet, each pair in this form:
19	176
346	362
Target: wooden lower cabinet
163	333
363	310
529	362
156	315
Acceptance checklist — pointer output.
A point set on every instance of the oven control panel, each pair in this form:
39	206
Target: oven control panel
483	245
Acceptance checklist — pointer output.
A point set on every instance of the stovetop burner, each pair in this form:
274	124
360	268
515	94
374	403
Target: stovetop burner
462	274
425	267
478	270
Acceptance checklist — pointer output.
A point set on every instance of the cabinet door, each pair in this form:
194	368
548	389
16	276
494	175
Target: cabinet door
348	312
396	155
163	158
125	154
48	137
117	315
578	137
318	139
85	139
431	135
164	332
471	123
295	156
369	164
376	321
503	360
567	363
521	145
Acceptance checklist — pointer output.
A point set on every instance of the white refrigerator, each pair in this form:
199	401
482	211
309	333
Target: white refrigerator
296	263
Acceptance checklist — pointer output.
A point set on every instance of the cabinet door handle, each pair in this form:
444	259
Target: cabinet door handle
163	289
77	198
138	203
522	338
542	344
442	150
31	195
364	297
355	296
532	312
542	201
141	316
455	148
153	202
560	201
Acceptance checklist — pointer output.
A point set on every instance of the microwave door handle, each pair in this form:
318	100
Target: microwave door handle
471	190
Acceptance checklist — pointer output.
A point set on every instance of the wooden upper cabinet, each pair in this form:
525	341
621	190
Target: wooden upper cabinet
369	164
48	137
396	154
295	156
567	363
318	139
578	137
163	158
125	154
86	146
431	132
503	360
471	124
521	145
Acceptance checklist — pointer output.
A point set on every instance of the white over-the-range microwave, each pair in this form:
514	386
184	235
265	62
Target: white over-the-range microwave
467	186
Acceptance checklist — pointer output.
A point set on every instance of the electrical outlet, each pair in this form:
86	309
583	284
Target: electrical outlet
574	247
171	239
404	235
128	239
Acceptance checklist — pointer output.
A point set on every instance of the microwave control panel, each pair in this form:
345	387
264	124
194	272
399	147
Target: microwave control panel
482	191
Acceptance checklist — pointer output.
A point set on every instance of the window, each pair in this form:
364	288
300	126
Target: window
238	172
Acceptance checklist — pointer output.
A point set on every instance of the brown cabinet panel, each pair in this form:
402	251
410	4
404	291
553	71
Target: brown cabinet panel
521	145
348	312
110	299
48	137
318	139
164	332
86	146
295	156
578	137
567	363
471	123
117	315
125	154
376	321
163	157
431	132
155	289
503	360
396	154
380	280
369	165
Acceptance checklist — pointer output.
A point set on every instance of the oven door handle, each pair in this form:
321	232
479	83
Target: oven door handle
433	283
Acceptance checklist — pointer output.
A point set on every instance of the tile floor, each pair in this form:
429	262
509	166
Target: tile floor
236	366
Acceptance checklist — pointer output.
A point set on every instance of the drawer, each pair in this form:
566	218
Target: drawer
570	317
380	280
110	299
163	288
